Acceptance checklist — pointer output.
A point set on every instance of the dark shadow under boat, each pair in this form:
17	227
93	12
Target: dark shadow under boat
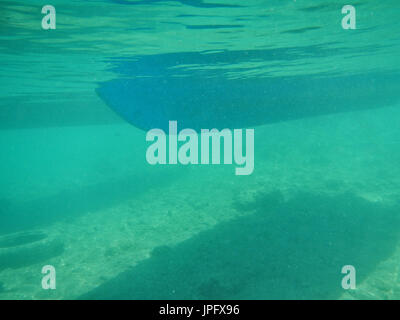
291	249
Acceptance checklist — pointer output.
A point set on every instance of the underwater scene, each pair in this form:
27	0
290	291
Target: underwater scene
199	149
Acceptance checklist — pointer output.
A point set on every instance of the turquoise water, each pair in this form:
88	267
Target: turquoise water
77	193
